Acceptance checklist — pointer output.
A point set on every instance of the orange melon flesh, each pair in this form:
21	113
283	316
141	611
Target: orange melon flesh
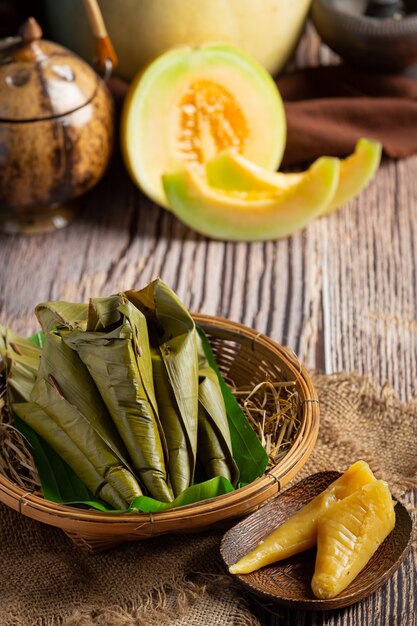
209	119
191	103
230	171
299	532
348	535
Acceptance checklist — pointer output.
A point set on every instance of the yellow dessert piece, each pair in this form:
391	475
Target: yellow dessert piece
348	535
299	532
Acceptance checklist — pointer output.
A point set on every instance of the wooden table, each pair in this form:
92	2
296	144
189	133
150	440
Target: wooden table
342	294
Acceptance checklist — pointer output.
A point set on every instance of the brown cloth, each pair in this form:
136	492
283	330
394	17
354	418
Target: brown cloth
329	108
175	580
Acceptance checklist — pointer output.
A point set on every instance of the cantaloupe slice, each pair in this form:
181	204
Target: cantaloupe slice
250	216
348	535
299	532
356	172
231	171
189	104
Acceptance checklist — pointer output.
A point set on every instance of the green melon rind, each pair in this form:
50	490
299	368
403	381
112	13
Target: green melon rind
245	217
356	172
167	70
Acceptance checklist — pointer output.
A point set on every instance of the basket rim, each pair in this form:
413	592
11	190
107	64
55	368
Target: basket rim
32	505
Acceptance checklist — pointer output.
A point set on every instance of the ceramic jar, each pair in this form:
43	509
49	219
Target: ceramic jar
56	132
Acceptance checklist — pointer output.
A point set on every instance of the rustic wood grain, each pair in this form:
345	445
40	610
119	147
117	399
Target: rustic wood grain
342	294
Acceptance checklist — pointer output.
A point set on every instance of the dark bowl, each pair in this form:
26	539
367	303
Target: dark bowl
379	44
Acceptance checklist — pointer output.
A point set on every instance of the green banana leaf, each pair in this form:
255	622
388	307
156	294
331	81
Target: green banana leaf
40	422
248	452
60	484
87	442
115	350
104	313
214	443
38	339
21	359
179	464
52	315
217	486
3	344
175	364
62	365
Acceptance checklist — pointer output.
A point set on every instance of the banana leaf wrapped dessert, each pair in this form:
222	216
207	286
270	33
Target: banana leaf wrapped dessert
190	400
21	359
172	337
63	444
214	442
115	349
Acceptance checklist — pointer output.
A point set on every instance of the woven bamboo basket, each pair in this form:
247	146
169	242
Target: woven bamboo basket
248	358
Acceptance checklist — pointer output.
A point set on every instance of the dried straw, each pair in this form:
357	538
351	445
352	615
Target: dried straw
272	410
16	462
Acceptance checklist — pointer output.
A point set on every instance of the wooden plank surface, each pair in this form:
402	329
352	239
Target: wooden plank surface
342	294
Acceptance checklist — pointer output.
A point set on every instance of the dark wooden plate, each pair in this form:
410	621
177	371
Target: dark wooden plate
288	582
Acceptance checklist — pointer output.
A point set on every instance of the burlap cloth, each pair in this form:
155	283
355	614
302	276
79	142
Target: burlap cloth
174	580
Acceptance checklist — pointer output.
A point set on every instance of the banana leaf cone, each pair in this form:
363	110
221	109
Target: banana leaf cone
87	443
173	339
115	350
66	392
21	361
214	443
64	367
181	460
46	427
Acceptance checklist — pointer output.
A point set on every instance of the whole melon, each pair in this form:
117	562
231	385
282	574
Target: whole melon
267	30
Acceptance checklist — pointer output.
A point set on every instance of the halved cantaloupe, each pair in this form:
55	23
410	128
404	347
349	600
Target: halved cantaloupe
348	535
299	532
191	103
246	216
232	172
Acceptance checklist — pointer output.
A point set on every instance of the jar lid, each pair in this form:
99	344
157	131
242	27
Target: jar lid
40	79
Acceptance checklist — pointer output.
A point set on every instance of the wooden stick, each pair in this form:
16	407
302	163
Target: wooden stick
104	46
